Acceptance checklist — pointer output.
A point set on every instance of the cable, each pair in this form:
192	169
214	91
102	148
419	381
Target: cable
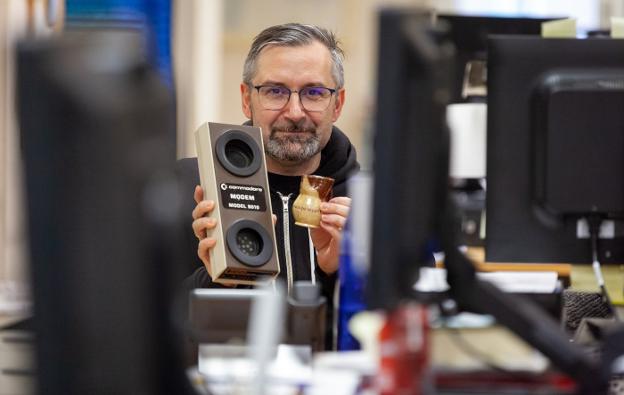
594	222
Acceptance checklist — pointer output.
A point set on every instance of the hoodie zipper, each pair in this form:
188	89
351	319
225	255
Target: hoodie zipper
286	225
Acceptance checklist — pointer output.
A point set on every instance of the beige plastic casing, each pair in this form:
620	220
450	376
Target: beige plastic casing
226	268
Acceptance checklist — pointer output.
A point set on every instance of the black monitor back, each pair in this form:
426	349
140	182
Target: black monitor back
469	34
522	129
94	121
577	131
411	152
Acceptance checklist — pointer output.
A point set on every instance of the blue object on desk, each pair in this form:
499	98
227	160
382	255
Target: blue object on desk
352	283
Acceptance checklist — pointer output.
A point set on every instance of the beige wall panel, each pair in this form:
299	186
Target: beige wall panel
197	49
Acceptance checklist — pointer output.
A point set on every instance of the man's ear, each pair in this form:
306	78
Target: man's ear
340	99
246	99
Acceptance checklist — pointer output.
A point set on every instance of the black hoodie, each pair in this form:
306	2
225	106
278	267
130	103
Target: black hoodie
338	161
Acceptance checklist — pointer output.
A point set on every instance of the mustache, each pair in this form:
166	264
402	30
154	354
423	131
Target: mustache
293	128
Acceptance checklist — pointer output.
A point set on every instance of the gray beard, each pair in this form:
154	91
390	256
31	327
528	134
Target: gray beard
293	147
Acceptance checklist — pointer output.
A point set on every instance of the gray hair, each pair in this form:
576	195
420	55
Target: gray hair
293	35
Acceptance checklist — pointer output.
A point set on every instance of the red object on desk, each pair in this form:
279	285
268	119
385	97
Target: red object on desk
404	351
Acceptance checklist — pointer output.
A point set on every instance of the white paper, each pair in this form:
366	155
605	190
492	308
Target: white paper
522	282
434	280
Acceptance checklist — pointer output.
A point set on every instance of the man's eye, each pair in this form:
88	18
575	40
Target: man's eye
314	92
275	91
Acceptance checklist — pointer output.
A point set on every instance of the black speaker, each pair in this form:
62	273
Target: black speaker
233	173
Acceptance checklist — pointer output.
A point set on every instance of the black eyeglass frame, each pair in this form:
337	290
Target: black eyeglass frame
290	92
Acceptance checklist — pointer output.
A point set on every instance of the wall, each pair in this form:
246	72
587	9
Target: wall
197	51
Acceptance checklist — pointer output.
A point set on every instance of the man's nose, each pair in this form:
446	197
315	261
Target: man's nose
294	110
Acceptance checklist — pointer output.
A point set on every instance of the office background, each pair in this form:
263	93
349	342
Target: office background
209	41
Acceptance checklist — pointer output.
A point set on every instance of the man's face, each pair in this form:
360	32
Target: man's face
293	135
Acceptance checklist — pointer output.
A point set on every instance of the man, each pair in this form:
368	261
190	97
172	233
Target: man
293	88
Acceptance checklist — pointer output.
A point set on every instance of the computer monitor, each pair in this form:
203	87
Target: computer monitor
410	152
469	34
223	315
555	148
411	202
94	120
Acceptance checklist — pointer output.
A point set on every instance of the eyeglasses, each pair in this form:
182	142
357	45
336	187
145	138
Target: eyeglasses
312	98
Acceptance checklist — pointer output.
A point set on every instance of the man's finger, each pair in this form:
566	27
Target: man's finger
203	207
203	251
335	208
198	194
335	220
201	226
342	200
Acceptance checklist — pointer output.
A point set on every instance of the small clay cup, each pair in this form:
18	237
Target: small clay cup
307	207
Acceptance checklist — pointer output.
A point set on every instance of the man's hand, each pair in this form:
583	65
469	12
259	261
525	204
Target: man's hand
327	237
201	225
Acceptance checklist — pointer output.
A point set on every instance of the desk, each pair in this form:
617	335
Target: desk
495	342
341	373
477	255
583	279
576	276
579	277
